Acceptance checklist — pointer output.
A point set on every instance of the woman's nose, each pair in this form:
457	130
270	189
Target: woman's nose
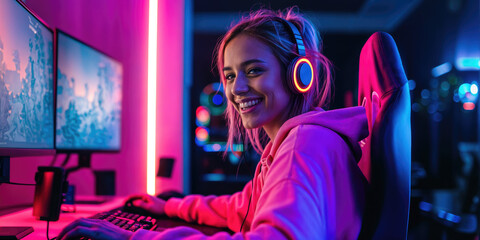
240	85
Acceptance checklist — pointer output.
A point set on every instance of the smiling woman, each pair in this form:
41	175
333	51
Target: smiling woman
307	184
284	40
254	84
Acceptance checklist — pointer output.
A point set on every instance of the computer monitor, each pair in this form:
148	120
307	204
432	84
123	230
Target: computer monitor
26	90
89	99
26	82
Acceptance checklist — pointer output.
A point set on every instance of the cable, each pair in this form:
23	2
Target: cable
248	208
52	163
65	161
251	193
23	184
242	156
48	225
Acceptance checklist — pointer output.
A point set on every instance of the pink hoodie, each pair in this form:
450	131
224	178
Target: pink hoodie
307	185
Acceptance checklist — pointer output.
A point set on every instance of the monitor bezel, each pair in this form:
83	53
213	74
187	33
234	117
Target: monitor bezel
21	152
35	15
81	150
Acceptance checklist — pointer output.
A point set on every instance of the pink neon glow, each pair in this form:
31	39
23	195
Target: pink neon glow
201	134
295	80
202	114
152	95
217	147
469	106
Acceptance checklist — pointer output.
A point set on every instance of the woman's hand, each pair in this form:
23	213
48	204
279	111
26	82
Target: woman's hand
94	229
151	204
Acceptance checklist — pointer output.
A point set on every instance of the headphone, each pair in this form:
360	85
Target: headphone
300	72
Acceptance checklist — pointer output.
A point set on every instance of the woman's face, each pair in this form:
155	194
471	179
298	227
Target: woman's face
254	84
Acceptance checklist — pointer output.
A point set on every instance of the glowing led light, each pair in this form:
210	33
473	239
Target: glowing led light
217	99
295	80
217	147
445	86
416	107
468	63
453	218
152	94
412	84
425	93
441	69
474	89
237	147
233	159
213	98
203	116
441	213
201	136
214	177
427	207
456	98
463	89
469	106
466	92
202	133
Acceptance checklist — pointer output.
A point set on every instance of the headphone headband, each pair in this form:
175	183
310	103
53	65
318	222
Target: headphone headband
298	37
300	73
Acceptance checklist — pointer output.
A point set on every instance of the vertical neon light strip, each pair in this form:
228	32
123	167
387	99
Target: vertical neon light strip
152	95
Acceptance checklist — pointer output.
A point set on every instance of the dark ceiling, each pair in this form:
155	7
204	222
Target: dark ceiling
343	6
340	16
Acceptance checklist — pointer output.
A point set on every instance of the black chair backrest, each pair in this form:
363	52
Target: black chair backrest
386	160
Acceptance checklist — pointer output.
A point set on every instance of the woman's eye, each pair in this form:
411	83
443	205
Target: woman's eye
254	71
229	77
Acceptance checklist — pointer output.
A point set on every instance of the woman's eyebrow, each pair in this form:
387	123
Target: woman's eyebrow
252	61
243	64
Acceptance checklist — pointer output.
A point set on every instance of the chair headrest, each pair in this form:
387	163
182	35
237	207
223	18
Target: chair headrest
381	68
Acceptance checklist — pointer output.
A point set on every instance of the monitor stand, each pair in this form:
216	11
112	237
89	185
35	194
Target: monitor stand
14	232
84	161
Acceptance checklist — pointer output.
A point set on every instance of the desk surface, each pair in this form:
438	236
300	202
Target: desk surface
25	218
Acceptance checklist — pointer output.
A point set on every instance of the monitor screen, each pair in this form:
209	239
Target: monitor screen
26	80
89	97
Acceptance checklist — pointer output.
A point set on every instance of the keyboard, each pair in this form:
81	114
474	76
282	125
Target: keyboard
126	220
133	221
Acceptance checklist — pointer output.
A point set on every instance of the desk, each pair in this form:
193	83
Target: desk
25	218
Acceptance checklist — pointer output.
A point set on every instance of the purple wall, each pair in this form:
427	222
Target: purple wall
119	28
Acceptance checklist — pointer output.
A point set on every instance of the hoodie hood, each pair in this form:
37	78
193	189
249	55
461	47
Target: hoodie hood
350	123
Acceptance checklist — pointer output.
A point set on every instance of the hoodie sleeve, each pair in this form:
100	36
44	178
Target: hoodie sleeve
299	199
222	211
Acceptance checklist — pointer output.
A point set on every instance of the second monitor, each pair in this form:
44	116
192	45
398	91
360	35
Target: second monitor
89	98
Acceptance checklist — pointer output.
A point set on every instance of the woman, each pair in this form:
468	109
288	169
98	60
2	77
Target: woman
307	184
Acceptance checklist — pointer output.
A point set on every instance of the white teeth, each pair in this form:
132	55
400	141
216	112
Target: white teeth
249	103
